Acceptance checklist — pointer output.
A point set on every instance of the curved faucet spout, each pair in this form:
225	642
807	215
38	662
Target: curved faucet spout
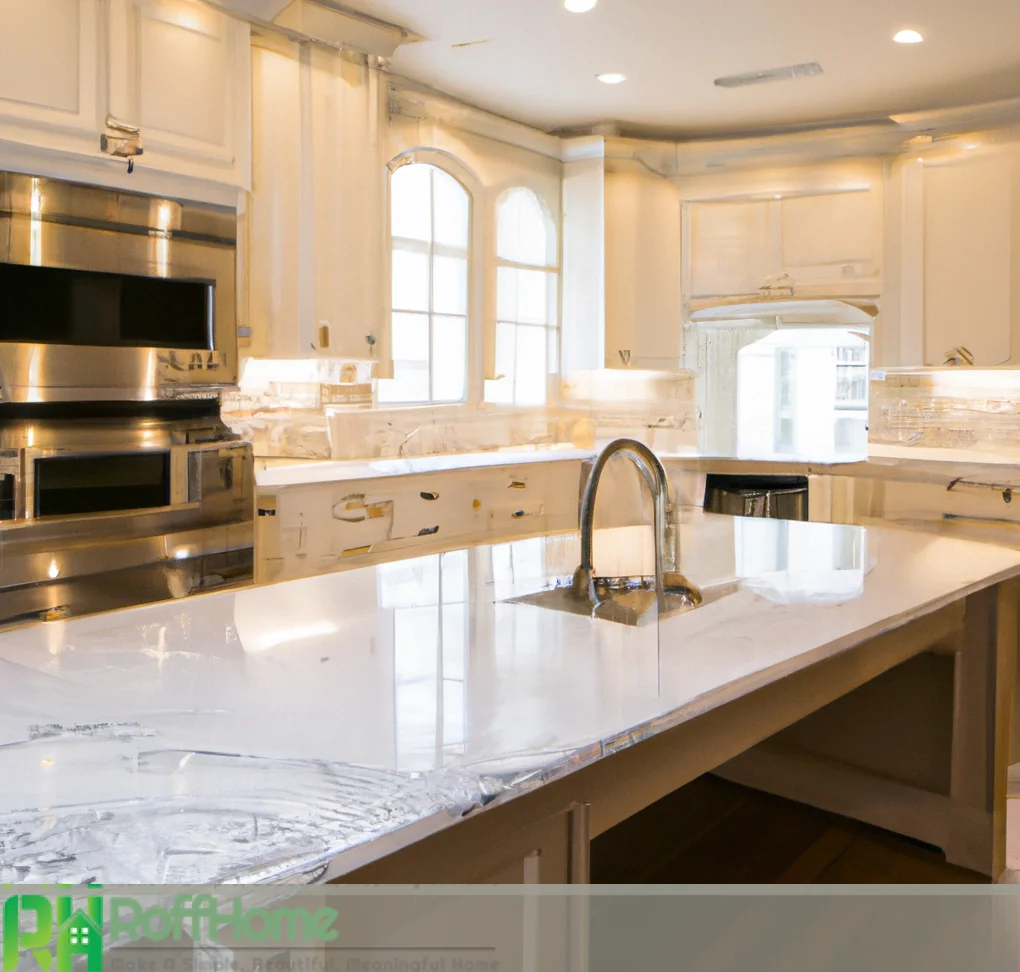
655	476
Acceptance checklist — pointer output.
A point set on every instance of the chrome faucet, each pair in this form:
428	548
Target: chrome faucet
655	476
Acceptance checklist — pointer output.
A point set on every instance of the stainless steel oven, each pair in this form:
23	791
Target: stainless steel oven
119	482
110	295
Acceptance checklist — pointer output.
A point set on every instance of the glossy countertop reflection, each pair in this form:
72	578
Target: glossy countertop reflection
273	732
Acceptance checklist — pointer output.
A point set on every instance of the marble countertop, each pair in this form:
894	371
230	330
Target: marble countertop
881	461
289	472
295	731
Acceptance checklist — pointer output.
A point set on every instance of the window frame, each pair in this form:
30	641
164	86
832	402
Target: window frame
554	295
453	168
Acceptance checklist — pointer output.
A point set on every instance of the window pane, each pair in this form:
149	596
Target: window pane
522	295
410	205
451	210
532	297
410	281
449	285
506	293
525	233
449	358
501	391
411	337
530	380
410	383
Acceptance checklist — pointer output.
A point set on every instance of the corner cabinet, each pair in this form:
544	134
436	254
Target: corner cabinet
177	70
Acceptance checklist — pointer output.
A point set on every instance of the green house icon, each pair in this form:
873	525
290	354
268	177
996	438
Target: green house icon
80	934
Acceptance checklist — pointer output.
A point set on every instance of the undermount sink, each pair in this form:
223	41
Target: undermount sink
627	600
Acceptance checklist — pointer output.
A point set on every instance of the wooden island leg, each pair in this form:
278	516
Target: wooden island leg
984	691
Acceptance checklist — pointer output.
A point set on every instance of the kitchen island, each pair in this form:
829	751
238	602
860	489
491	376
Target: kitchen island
405	722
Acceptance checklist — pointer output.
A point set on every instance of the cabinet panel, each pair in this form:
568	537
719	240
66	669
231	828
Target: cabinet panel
275	208
832	239
642	254
967	275
48	64
187	109
180	71
346	203
730	248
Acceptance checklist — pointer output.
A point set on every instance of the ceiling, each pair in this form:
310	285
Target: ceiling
538	62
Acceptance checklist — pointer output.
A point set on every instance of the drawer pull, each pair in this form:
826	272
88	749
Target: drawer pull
429	496
428	531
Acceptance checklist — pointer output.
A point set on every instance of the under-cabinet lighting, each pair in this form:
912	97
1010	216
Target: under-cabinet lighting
612	78
54	570
908	37
580	6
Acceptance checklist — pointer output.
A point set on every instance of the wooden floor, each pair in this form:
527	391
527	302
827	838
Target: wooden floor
715	832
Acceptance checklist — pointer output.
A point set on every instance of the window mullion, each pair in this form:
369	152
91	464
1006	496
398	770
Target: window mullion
432	274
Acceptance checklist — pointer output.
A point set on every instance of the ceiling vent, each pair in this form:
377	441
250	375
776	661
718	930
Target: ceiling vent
788	73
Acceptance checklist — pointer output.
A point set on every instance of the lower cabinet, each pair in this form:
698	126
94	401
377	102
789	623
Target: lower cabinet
498	846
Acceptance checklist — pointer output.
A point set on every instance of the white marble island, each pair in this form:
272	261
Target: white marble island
344	725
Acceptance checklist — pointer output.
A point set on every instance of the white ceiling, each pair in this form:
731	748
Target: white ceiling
539	63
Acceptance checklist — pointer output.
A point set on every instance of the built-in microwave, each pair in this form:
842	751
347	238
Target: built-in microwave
107	295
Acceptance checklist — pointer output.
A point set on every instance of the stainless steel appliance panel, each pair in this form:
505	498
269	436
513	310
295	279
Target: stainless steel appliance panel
45	223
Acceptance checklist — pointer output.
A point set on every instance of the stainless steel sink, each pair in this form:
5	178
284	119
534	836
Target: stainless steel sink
627	600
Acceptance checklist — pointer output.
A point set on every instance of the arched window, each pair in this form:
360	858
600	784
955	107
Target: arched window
430	216
527	321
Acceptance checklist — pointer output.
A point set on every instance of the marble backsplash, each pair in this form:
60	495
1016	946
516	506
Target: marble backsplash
976	409
296	419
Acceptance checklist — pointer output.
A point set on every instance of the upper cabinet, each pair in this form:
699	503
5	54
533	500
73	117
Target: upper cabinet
177	70
49	69
819	243
953	231
621	264
180	72
968	285
317	218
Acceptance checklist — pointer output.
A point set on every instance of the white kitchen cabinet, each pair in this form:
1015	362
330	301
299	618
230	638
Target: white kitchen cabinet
968	285
48	70
953	231
823	244
180	71
621	264
176	69
317	208
731	248
642	276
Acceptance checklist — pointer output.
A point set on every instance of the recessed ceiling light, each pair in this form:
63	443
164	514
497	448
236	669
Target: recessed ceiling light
611	78
908	37
580	6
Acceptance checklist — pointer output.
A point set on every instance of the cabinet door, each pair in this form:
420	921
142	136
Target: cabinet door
280	320
731	248
48	69
832	243
181	72
967	271
345	212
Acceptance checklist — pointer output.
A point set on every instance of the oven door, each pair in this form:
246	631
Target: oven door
61	484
